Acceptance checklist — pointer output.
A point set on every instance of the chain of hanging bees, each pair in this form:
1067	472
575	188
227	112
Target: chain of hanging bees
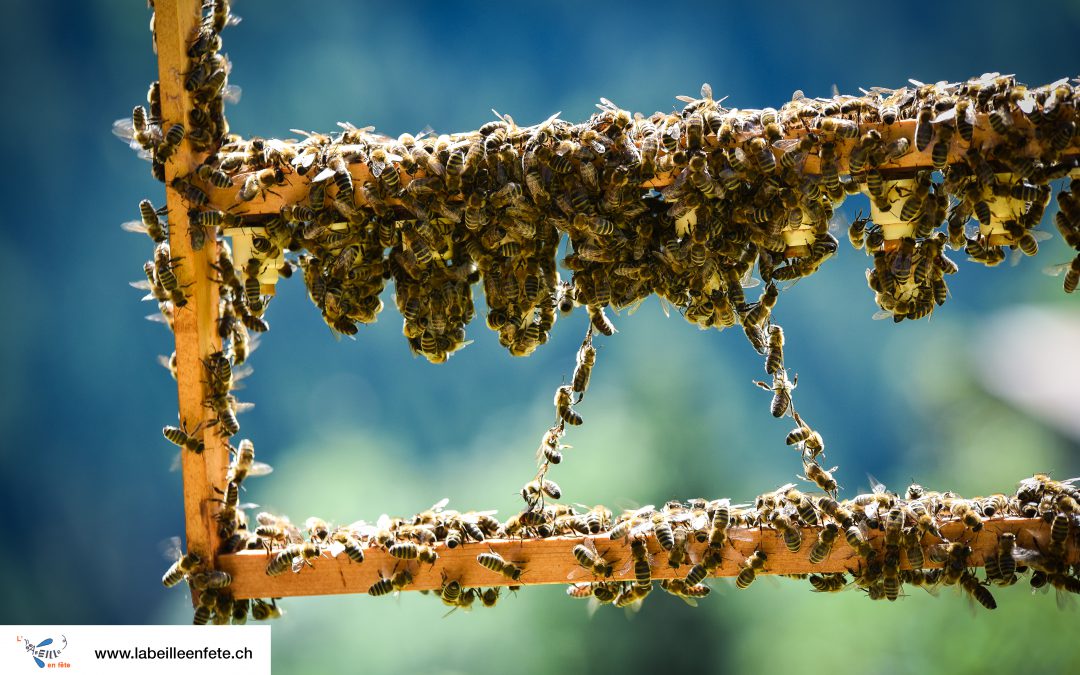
438	214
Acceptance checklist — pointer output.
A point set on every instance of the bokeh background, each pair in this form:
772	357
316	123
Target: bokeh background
358	428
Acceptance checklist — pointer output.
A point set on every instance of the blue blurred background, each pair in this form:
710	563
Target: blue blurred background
357	428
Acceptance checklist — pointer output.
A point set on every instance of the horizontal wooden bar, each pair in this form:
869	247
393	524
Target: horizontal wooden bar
551	561
295	188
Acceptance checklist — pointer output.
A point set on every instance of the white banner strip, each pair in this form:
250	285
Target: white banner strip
206	650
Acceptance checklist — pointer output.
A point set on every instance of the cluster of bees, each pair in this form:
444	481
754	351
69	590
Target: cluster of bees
215	602
891	540
694	206
439	213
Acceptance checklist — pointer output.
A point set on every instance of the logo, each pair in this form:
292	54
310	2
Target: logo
47	650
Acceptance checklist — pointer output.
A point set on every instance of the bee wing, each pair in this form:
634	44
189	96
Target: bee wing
171	549
579	572
605	104
1056	270
706	91
260	469
688	600
641	529
241	407
133	226
232	93
144	285
548	121
323	175
947	116
304	160
686	99
241	372
748	280
124	129
441	504
916	82
176	463
876	486
785	143
335	549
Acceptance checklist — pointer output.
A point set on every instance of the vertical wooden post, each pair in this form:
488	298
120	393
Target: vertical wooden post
195	325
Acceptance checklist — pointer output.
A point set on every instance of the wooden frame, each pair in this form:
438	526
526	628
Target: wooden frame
546	560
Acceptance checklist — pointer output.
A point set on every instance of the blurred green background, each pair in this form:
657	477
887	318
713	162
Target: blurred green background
358	428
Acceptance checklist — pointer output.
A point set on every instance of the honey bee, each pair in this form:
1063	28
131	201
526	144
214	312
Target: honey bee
181	437
857	231
550	446
586	358
828	583
912	543
210	579
924	130
856	539
318	529
824	544
185	563
263	611
963	510
245	464
781	389
600	321
953	557
591	561
564	397
495	562
750	569
1071	271
820	477
689	594
1002	561
450	592
344	542
641	560
970	583
830	507
789	531
383	586
809	439
149	223
679	553
534	491
294	556
169	142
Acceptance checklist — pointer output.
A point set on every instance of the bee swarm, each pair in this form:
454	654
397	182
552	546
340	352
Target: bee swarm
686	206
689	206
